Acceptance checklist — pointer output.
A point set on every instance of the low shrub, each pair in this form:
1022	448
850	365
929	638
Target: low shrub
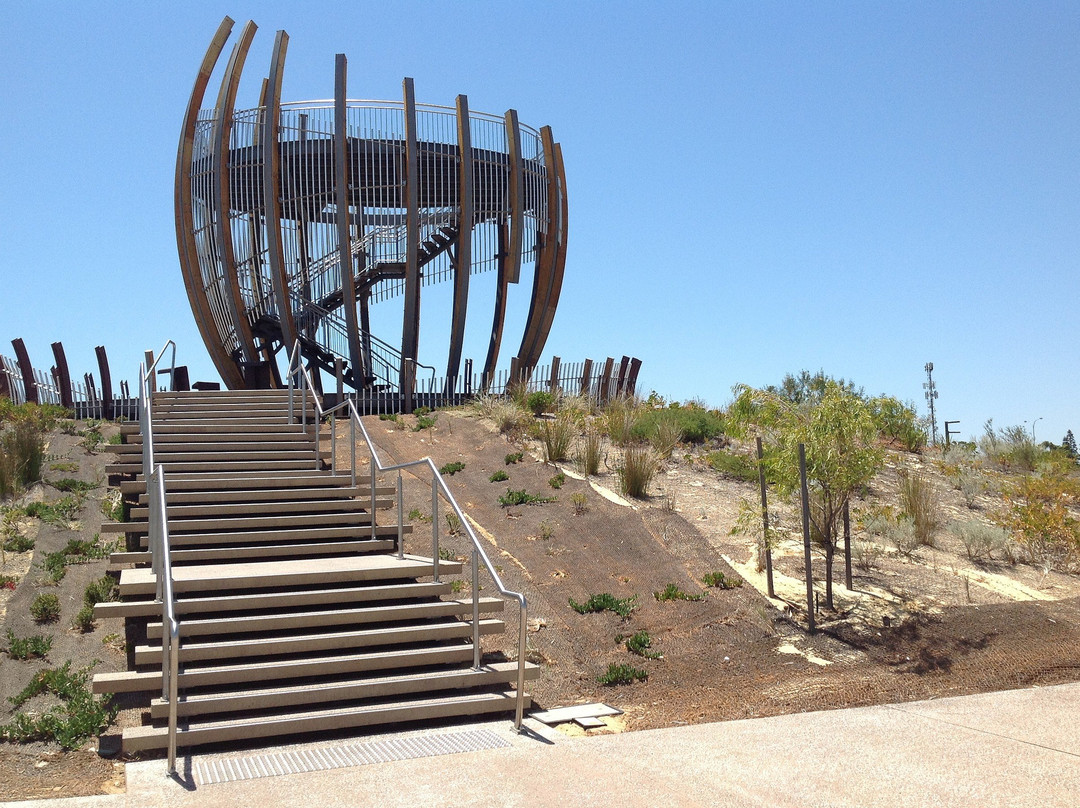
719	581
591	455
733	465
514	457
580	502
605	602
980	539
450	469
84	620
103	590
640	643
622	675
45	608
620	416
557	481
79	717
453	524
557	436
919	502
540	402
638	468
425	422
8	582
18	544
62	512
672	592
498	477
522	497
692	422
34	647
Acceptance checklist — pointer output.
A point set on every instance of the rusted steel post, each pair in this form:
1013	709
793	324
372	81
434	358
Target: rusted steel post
765	517
64	380
624	367
553	384
106	382
30	393
847	546
586	378
605	379
806	538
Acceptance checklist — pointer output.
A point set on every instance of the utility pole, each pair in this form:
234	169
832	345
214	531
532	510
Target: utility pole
931	395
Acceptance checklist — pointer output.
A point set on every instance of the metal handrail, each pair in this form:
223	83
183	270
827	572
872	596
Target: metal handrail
438	484
158	537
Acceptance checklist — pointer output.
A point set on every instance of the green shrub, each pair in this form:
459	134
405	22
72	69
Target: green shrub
84	620
622	675
638	468
45	608
899	422
719	581
980	539
640	643
79	717
693	423
64	466
61	512
416	515
424	422
540	402
735	466
33	647
557	435
619	418
919	502
672	592
605	602
450	469
18	544
514	457
114	507
581	503
590	456
557	481
522	497
72	486
8	582
22	455
509	418
388	416
498	477
103	590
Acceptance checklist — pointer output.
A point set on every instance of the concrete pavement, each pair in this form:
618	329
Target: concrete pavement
1014	748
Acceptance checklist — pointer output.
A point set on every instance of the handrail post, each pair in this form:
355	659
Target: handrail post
174	690
522	629
333	444
435	528
400	518
352	456
476	608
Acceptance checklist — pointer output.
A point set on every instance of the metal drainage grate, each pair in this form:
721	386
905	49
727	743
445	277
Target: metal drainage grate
230	770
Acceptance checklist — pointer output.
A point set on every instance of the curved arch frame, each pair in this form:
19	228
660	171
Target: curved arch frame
185	230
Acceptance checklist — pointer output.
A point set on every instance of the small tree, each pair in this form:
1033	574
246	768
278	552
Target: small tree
842	452
1068	443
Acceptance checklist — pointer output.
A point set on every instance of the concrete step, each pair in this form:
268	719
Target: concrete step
281	536
312	598
283	521
163	438
300	620
216	480
268	574
321	642
281	670
210	495
203	428
307	463
249	552
353	689
281	506
138	739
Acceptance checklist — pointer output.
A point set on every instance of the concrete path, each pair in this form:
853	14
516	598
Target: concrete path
1016	748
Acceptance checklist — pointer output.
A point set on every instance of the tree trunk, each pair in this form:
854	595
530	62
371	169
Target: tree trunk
830	551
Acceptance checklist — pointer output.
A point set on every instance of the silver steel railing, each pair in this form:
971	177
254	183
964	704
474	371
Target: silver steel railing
298	374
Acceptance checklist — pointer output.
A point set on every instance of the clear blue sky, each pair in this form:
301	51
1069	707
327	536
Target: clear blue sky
754	188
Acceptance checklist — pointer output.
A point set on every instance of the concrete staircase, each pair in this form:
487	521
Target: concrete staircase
295	615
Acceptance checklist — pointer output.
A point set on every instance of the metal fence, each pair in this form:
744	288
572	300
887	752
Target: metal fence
87	399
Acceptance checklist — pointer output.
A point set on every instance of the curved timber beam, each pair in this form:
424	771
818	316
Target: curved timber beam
63	375
271	126
463	251
342	175
26	370
219	147
185	227
555	289
501	285
545	261
410	329
515	187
